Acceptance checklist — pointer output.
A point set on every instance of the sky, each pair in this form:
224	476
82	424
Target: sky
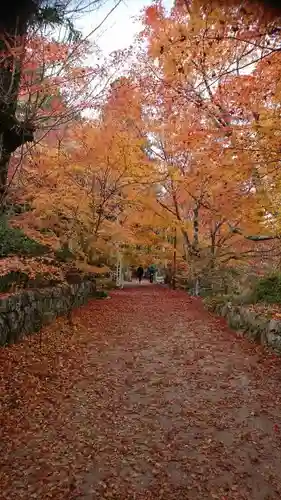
118	31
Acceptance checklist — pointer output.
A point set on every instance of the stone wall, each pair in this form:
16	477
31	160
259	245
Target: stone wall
26	312
253	325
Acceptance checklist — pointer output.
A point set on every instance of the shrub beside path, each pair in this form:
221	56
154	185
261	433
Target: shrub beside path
146	396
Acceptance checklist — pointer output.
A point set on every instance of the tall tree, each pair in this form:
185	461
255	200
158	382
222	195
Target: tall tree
82	189
201	128
15	25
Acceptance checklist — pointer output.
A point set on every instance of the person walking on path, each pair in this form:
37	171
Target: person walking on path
140	272
152	271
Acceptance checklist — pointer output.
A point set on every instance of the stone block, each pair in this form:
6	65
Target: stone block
4	330
24	313
4	305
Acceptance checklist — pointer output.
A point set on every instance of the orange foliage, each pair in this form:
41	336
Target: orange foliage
203	111
82	191
187	141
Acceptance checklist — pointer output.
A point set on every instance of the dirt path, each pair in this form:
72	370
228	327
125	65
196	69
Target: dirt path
147	397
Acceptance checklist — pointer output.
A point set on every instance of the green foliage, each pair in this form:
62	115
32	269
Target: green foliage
55	15
268	289
253	290
12	281
17	208
64	254
16	280
14	242
100	294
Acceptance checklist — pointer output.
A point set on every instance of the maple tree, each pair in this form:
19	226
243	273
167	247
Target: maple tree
201	111
177	165
55	88
82	189
185	139
41	73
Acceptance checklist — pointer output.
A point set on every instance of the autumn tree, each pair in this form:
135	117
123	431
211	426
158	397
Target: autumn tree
182	154
18	37
81	189
201	127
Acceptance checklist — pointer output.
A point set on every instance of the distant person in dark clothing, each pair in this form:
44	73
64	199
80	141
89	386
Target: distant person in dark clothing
140	272
152	271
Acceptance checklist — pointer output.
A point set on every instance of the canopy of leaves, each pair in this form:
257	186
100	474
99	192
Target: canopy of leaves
14	241
181	153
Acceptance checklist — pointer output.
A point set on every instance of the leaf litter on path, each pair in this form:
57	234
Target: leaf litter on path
146	396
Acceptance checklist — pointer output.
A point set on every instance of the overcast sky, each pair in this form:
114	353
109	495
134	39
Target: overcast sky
118	31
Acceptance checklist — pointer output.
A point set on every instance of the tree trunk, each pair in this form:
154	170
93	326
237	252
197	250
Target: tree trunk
197	287
195	244
13	30
174	260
